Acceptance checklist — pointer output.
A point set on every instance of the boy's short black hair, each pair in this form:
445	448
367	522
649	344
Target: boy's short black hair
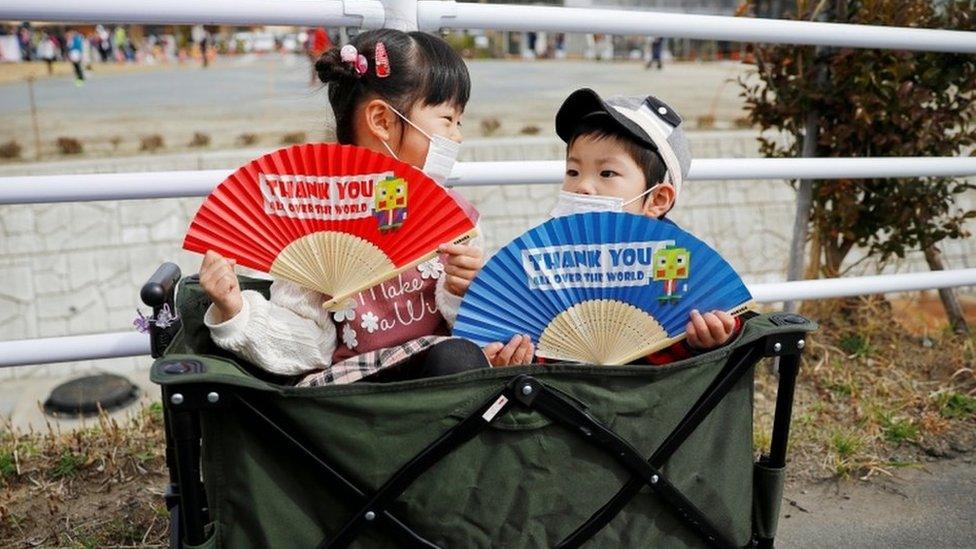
599	125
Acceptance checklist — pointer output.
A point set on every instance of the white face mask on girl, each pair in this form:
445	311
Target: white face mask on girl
575	203
441	154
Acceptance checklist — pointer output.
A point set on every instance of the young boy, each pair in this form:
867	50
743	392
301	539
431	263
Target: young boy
629	154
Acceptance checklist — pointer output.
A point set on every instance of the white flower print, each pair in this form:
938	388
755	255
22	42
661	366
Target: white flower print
370	321
349	336
432	268
347	312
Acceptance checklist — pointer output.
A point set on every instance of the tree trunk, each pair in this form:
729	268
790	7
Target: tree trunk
804	201
950	302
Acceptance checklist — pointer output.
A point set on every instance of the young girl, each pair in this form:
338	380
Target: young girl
402	94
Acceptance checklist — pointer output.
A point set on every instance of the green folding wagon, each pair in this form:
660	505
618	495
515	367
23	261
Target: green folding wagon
560	455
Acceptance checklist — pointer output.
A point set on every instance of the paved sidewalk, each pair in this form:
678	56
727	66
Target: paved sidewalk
933	506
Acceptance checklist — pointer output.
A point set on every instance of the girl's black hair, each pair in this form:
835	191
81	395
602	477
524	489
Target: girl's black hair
422	68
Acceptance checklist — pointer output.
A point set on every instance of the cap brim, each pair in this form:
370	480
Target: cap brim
584	102
579	104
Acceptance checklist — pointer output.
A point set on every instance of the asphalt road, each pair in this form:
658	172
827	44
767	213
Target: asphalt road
930	507
273	94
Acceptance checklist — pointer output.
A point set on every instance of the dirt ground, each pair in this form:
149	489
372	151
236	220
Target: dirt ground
18	72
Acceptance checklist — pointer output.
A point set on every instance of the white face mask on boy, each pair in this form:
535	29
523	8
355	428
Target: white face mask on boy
574	203
441	154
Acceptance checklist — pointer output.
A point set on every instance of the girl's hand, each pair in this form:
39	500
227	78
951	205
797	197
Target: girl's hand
519	350
710	330
218	279
463	263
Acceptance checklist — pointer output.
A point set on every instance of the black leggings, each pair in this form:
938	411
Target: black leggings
447	357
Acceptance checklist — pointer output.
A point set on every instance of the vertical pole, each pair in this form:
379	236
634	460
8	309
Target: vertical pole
804	202
33	111
789	365
400	14
186	438
804	193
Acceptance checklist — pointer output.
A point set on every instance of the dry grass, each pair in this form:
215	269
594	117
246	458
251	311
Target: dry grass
293	138
247	139
200	139
490	126
873	396
151	143
69	145
706	122
19	72
10	150
94	487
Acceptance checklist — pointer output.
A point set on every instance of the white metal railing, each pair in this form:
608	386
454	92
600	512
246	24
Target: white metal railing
123	344
336	13
437	14
141	185
434	15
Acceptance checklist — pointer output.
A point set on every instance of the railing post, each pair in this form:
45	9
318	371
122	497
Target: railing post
400	14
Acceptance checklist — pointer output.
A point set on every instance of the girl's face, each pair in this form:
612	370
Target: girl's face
602	167
411	145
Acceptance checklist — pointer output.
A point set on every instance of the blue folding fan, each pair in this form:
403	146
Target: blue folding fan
599	288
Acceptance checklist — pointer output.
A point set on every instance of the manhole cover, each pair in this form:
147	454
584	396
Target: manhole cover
83	396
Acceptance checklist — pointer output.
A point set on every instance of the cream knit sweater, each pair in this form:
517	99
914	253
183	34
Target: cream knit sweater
292	333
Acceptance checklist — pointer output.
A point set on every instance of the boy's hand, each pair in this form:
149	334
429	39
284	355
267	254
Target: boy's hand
519	350
463	263
709	330
217	278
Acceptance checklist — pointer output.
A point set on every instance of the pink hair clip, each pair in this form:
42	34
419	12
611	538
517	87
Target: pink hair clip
362	65
382	61
349	54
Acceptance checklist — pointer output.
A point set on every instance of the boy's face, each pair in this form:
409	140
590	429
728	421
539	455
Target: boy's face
601	166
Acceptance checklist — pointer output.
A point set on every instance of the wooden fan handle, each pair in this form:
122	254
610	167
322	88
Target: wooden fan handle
737	311
336	302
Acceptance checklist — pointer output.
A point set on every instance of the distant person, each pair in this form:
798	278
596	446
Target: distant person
657	44
88	49
118	44
529	51
76	54
104	43
541	45
317	44
199	36
24	40
46	51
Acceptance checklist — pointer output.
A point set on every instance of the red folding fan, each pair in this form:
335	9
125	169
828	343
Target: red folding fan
334	218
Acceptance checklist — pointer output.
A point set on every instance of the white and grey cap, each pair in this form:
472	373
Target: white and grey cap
649	120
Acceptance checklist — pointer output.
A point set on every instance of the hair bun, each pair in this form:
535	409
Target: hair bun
330	67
